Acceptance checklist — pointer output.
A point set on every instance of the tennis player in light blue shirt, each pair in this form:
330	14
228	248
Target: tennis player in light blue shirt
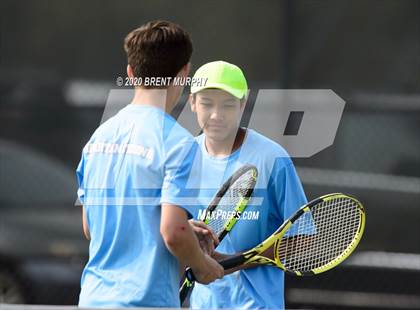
133	186
278	193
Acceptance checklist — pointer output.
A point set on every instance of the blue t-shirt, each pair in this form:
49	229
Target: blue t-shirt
135	161
277	195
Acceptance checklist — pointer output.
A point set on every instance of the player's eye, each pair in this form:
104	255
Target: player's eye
206	104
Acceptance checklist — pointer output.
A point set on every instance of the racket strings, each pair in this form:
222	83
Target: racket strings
336	239
226	206
318	237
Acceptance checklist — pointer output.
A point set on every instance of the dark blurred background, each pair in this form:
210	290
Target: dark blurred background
60	59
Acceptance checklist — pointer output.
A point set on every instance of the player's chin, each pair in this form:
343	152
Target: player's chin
216	134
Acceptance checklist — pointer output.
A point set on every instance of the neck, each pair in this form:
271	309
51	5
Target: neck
158	98
227	146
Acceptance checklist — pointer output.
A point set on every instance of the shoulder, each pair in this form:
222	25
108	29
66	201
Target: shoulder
173	131
178	143
108	128
268	149
101	133
199	139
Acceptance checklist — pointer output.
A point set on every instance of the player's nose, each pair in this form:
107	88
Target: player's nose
216	115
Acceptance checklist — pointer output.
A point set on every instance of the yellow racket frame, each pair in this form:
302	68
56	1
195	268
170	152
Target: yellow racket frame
275	239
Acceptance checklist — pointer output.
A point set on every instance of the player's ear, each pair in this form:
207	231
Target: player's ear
243	101
191	100
130	72
242	104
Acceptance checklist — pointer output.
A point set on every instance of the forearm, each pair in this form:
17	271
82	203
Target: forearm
181	241
85	224
184	245
179	237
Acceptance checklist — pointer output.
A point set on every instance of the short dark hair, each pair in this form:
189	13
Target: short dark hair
158	49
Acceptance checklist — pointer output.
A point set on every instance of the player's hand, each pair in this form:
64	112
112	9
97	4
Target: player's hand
208	271
207	238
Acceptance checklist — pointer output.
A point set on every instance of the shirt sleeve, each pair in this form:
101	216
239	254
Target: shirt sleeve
79	175
177	170
287	189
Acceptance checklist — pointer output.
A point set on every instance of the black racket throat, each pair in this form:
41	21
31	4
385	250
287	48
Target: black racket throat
233	262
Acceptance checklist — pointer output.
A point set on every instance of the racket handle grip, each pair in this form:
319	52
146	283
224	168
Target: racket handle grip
189	274
187	285
232	262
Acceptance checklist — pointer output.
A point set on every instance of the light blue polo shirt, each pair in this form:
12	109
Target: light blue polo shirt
277	195
135	161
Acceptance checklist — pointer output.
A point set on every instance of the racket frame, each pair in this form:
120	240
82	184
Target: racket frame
254	256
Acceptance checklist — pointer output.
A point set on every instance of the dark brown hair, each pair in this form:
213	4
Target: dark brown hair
158	49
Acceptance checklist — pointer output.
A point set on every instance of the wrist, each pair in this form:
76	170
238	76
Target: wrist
199	262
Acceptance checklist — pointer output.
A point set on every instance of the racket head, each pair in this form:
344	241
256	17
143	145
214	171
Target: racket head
230	200
320	235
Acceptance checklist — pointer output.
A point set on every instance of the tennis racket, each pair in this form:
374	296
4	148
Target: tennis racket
224	210
318	237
